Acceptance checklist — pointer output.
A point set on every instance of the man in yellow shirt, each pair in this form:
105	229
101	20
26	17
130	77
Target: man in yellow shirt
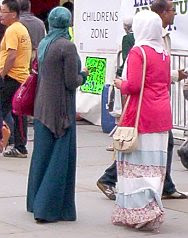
15	55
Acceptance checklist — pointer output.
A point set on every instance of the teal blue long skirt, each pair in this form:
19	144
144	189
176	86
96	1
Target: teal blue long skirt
51	183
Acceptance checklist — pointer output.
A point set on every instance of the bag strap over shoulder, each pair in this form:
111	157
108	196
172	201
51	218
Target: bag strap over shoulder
141	93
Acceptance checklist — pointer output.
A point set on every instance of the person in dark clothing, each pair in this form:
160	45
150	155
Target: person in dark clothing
36	30
51	183
107	182
127	42
8	119
2	31
34	25
15	54
166	10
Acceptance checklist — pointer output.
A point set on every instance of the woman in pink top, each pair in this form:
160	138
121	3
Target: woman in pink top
141	173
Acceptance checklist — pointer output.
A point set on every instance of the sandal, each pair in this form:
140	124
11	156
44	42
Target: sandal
14	153
109	191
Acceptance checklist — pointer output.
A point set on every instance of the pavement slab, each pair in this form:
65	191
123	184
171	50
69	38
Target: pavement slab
93	208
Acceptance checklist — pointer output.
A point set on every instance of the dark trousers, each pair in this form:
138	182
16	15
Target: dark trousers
169	186
20	124
110	175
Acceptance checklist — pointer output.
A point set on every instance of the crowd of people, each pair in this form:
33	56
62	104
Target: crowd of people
143	177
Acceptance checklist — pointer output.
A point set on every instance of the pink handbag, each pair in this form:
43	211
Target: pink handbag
23	100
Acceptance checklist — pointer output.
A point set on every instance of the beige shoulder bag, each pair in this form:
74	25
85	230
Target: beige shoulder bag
125	139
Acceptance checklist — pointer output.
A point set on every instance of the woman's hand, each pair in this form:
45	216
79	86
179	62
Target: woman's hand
183	74
86	71
117	83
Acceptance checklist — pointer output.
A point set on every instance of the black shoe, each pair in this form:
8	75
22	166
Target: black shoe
109	191
41	221
175	195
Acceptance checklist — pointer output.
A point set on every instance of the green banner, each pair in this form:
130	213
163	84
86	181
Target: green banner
97	72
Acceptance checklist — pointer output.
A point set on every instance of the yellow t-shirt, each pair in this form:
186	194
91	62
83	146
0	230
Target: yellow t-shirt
17	38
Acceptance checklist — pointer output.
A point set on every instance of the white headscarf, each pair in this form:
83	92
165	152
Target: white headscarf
147	28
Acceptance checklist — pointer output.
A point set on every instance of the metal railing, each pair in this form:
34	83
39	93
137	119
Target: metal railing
179	60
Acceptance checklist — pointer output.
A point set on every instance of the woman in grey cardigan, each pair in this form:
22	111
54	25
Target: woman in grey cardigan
51	185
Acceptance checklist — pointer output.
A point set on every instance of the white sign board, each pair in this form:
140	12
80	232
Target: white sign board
178	32
96	25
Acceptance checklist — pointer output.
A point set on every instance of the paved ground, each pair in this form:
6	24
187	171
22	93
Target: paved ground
94	210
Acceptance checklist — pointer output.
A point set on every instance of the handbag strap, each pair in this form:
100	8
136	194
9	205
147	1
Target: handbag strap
141	93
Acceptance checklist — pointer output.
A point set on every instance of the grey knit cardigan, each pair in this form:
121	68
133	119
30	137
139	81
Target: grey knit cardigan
59	76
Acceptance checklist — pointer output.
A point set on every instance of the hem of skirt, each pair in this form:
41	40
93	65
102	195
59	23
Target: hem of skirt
29	210
55	218
147	218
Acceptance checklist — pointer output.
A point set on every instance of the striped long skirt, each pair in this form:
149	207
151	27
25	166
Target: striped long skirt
141	177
